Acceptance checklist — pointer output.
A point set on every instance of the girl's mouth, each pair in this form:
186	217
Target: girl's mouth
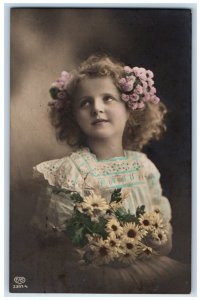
99	121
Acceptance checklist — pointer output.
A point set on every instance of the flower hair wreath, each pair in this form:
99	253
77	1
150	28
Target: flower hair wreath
137	87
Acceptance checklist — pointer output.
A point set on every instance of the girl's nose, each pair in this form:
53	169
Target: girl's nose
98	106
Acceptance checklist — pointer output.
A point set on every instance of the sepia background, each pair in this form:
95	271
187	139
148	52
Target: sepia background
46	41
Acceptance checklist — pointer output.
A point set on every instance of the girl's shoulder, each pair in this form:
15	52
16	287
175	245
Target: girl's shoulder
62	172
145	162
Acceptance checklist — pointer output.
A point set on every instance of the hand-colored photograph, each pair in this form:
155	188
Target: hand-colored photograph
100	167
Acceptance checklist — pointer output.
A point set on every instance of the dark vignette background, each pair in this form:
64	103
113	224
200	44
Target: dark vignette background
46	41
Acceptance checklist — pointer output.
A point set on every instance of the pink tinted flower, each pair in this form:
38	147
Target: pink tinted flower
60	83
142	76
125	97
142	71
122	81
134	97
136	71
145	85
139	89
140	104
150	82
127	69
132	105
149	74
61	95
146	97
127	86
155	99
131	78
152	90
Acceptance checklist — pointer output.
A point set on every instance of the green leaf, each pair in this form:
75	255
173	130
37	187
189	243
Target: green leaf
53	92
79	237
140	210
116	196
76	197
124	216
99	227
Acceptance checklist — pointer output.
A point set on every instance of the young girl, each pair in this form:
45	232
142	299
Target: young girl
107	112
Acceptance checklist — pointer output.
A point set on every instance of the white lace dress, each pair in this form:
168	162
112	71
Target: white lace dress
56	266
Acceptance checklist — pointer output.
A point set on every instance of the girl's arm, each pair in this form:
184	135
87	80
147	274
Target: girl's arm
162	205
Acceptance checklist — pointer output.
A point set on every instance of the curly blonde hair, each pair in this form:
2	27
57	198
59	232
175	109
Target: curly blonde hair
142	126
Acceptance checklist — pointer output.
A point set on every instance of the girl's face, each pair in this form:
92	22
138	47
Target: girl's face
98	109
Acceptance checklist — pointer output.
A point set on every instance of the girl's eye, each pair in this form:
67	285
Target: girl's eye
108	98
85	103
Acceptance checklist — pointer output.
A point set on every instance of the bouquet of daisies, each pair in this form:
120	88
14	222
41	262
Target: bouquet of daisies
106	232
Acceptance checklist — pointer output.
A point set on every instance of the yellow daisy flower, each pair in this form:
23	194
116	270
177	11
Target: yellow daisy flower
132	232
127	257
146	221
96	202
94	206
157	209
114	226
160	236
114	244
128	245
157	222
103	253
143	251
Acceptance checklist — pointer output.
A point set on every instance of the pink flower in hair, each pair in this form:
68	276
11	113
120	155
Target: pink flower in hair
152	90
125	97
60	83
149	74
133	105
122	81
134	97
136	71
154	99
127	86
142	73
146	97
58	90
139	89
61	95
150	82
127	69
141	105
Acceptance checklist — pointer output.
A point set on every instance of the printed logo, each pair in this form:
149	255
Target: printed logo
19	280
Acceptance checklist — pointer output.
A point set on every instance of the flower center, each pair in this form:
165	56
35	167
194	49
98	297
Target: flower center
160	236
146	222
131	233
94	205
114	227
112	243
103	251
129	246
147	251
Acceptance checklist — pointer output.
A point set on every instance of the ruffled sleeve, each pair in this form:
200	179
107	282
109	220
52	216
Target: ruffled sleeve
61	173
54	204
